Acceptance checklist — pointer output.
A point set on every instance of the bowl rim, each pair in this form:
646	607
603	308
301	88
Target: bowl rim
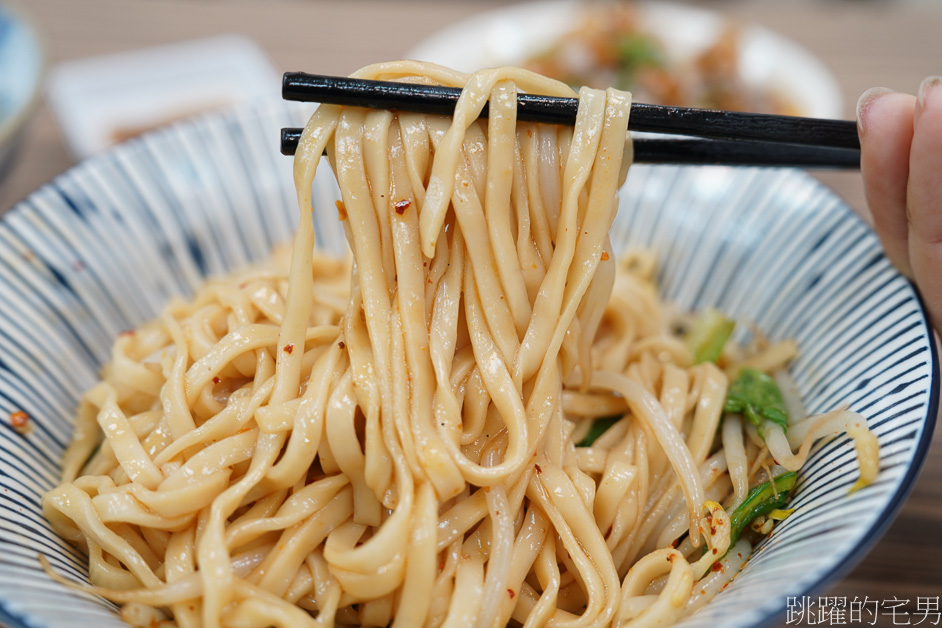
887	516
770	616
13	123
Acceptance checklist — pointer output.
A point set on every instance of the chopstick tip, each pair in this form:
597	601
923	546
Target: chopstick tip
289	140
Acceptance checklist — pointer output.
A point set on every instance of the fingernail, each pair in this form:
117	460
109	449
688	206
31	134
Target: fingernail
863	105
925	88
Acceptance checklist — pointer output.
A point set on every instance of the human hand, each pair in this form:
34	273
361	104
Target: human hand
901	164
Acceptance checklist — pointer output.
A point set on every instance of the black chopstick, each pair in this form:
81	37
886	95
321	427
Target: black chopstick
706	152
711	123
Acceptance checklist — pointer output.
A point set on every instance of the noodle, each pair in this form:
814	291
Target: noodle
394	442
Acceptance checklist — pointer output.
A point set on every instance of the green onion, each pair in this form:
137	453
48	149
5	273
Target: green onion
599	426
639	49
636	51
761	500
709	334
757	397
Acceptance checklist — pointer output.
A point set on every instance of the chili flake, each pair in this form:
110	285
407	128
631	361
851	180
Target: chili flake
19	420
402	206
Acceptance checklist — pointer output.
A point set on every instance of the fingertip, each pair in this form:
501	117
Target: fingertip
926	89
864	104
925	161
885	123
886	115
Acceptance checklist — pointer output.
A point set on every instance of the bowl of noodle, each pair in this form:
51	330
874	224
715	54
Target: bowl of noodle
487	375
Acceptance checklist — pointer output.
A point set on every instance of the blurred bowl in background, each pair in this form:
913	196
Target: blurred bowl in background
21	69
517	35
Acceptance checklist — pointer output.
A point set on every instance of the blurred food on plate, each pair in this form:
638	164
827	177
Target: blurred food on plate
610	46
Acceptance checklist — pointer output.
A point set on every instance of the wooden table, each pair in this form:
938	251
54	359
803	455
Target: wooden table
865	43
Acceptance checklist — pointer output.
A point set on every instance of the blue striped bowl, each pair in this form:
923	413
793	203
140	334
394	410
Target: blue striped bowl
101	248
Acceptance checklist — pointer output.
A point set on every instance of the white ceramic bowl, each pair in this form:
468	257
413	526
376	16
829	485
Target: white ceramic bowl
510	35
100	250
21	71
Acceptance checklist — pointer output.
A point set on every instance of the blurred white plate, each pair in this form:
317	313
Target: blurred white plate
100	101
510	35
